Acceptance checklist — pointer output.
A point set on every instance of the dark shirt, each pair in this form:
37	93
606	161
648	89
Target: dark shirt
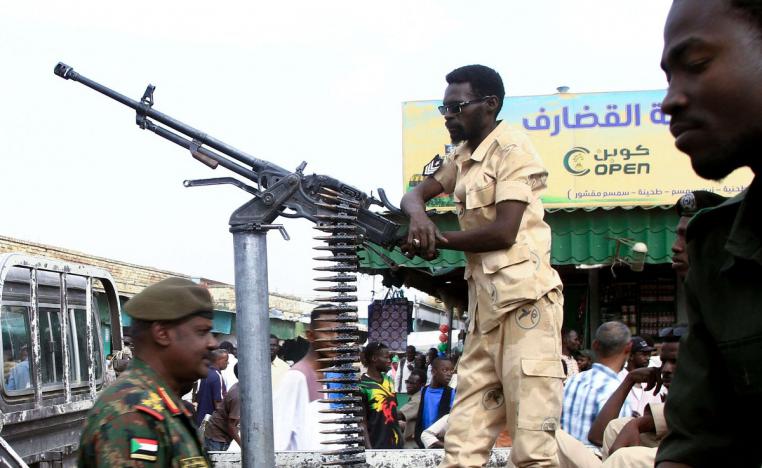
380	404
217	427
138	421
429	413
211	389
714	406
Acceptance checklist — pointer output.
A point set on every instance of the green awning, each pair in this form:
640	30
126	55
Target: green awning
283	329
589	237
580	237
222	322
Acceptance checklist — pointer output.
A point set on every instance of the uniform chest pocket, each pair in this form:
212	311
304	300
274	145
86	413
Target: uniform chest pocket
744	364
481	196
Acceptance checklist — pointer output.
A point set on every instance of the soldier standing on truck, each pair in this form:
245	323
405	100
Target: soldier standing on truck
510	371
140	419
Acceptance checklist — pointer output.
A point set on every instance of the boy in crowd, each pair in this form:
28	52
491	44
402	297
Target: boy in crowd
437	398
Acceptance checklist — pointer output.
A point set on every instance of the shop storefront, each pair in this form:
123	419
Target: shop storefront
614	176
598	285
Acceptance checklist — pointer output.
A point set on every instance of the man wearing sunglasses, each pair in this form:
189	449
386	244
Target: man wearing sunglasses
510	372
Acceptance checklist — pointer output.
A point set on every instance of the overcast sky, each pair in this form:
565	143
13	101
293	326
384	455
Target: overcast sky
288	81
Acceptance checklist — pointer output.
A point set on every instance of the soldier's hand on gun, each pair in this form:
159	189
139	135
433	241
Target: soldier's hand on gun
422	238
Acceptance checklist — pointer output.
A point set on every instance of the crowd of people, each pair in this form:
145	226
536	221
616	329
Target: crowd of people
402	395
612	395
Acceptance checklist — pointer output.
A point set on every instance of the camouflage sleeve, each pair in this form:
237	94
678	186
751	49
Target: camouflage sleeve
130	440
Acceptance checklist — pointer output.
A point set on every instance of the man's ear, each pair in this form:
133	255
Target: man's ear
310	335
628	348
492	104
160	333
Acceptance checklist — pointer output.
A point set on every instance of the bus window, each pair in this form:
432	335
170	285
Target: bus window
77	332
101	307
51	347
49	313
14	329
78	343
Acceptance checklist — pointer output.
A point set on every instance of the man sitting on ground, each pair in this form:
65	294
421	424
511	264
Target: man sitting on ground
587	392
650	376
633	442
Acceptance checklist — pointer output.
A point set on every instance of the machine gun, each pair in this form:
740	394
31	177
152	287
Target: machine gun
277	189
341	212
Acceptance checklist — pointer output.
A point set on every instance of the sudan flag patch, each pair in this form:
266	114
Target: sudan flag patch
144	449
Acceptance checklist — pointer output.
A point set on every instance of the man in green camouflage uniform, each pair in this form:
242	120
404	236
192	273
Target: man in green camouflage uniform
140	420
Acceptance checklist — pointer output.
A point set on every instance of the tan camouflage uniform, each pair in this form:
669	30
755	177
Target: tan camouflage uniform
137	422
510	372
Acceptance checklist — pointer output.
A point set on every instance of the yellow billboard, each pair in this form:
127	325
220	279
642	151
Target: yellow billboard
600	149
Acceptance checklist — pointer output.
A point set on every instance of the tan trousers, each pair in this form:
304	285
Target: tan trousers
510	377
612	431
574	454
632	457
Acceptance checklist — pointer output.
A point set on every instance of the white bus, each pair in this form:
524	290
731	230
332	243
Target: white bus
52	341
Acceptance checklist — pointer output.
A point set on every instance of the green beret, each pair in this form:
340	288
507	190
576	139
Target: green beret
693	202
170	299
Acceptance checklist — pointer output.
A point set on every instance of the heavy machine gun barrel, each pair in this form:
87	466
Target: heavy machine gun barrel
277	188
144	108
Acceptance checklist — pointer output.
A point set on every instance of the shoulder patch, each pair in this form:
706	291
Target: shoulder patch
144	449
150	411
153	401
168	401
432	166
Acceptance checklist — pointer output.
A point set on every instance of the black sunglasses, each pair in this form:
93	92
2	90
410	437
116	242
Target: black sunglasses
457	107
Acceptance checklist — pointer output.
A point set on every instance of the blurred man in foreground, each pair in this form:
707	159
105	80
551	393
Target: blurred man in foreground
713	61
